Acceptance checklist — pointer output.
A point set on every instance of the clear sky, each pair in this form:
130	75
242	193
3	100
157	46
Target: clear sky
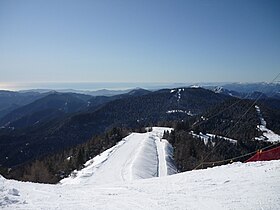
139	40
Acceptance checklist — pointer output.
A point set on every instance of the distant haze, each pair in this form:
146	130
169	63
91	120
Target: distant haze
88	86
83	87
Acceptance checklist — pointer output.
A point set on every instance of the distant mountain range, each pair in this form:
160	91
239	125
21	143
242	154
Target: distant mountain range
49	107
33	124
249	91
101	92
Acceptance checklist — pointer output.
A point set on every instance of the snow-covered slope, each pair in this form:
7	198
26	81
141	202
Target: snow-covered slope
138	156
118	179
247	186
267	135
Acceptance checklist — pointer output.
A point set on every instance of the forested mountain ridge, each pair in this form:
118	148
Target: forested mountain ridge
193	112
44	109
228	130
11	100
136	109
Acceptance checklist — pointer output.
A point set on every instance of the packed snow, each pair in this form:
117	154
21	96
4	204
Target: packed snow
247	186
138	156
209	137
267	134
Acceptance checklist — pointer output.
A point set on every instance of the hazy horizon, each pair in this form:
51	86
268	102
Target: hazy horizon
88	86
94	86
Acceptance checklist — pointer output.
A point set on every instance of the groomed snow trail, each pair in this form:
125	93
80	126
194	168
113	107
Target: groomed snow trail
162	167
138	156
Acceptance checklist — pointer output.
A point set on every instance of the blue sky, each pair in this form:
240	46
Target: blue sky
139	41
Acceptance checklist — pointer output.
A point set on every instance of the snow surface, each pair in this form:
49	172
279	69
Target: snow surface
248	186
195	86
118	179
209	137
138	156
268	135
218	89
178	93
180	111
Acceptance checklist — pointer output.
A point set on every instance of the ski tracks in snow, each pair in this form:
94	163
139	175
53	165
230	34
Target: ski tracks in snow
138	156
162	165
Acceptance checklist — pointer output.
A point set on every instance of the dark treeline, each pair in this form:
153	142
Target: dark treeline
52	168
237	119
237	122
190	151
21	141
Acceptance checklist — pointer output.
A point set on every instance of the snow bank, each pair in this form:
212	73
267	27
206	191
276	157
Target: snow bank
91	166
145	162
8	194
